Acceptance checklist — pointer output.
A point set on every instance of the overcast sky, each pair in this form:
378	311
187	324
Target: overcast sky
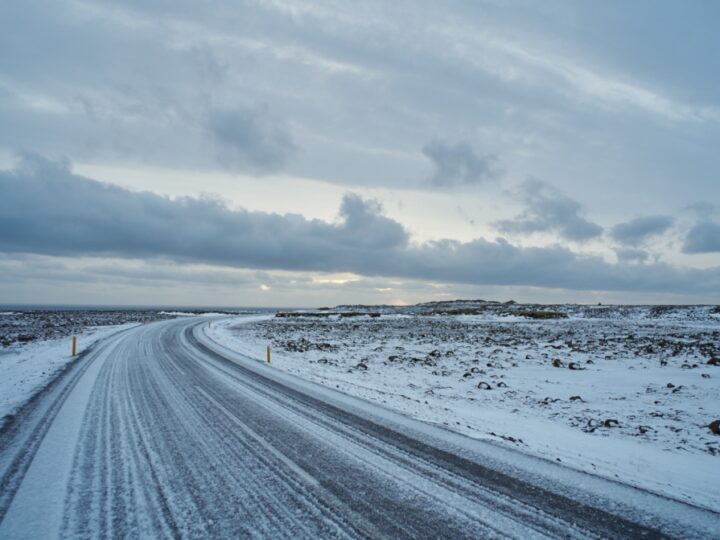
291	153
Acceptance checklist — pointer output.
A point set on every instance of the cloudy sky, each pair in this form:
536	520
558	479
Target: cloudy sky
292	153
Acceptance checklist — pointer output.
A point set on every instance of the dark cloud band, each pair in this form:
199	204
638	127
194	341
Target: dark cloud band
46	209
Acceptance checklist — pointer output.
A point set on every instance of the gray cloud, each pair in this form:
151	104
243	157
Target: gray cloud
703	238
459	164
638	230
549	210
632	255
364	222
251	139
46	209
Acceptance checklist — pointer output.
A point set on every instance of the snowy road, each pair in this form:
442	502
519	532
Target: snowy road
158	432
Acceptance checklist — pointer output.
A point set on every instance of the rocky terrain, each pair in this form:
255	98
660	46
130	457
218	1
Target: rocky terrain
648	373
20	327
529	311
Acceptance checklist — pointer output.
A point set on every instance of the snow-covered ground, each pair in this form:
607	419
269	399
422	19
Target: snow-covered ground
27	368
35	325
627	395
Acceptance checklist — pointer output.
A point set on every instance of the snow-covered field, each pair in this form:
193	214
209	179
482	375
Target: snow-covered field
27	368
625	393
35	325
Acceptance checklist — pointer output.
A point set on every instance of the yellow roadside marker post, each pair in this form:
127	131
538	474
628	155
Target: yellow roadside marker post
269	350
74	346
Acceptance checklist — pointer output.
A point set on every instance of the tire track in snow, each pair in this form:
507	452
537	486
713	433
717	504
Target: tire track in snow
21	437
401	508
186	454
400	464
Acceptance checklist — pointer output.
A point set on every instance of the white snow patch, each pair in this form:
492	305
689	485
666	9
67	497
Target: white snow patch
28	368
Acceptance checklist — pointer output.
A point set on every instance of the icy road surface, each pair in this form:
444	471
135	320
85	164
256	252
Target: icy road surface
159	432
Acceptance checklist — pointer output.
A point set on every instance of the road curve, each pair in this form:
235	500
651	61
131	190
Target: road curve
158	432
